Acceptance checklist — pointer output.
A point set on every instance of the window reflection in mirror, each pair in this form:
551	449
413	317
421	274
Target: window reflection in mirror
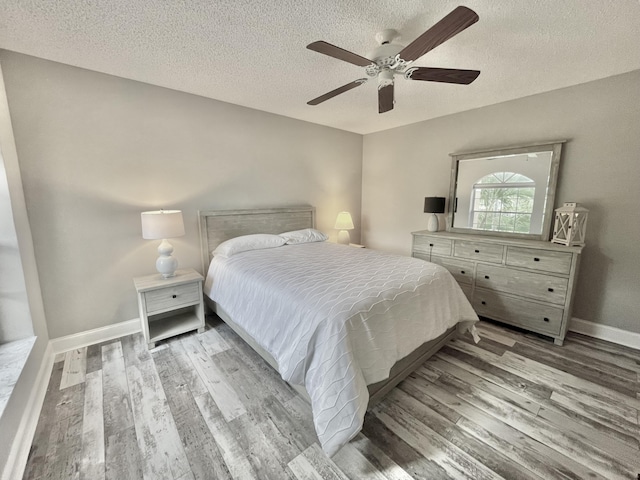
507	192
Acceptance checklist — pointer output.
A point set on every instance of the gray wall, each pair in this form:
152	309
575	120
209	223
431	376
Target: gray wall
600	168
96	150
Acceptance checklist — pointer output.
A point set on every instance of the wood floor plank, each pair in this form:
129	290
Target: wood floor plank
303	470
320	465
591	358
516	399
588	434
378	459
35	466
65	443
92	463
578	369
75	367
565	442
198	441
559	380
187	368
270	378
122	455
231	451
498	337
117	406
450	432
451	459
514	381
602	345
212	342
156	432
223	394
521	448
400	451
414	387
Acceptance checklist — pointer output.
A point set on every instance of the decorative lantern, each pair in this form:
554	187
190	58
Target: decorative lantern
570	225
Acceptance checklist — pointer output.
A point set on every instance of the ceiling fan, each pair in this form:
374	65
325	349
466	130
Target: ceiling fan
390	59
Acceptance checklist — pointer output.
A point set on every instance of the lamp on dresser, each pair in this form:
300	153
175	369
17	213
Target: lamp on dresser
160	225
433	205
344	223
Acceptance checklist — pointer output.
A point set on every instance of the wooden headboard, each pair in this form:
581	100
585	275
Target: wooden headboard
216	226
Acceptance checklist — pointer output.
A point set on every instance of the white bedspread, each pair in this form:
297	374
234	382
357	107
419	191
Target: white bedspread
336	319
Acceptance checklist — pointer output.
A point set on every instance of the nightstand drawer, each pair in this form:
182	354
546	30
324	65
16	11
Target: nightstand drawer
522	313
487	252
547	261
532	285
172	297
432	245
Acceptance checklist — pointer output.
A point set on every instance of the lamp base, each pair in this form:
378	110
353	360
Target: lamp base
343	237
434	224
166	264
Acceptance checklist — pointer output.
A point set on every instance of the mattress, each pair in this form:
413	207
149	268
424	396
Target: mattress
336	319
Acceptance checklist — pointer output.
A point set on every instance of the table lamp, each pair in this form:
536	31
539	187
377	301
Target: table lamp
344	223
433	205
163	224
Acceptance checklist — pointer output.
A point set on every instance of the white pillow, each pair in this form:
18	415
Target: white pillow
245	243
306	235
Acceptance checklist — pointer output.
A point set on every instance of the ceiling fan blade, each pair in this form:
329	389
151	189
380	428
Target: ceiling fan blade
452	24
337	91
385	98
445	75
339	53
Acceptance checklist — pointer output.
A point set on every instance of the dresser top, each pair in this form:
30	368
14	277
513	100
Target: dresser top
518	242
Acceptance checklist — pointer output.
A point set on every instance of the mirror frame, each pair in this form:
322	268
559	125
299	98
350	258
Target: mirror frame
554	147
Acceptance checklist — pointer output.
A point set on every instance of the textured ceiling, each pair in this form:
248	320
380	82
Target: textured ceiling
252	52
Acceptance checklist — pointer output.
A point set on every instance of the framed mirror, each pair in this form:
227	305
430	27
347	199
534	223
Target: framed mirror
506	192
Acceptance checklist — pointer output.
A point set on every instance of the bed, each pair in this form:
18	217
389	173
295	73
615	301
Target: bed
342	325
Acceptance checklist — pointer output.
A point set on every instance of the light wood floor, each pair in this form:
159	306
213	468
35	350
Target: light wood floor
205	406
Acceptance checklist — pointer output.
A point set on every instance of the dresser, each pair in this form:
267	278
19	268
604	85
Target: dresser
525	283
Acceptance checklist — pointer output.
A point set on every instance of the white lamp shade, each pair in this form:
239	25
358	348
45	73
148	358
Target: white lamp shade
344	221
160	224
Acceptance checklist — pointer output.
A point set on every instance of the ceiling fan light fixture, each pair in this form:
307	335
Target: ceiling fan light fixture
385	78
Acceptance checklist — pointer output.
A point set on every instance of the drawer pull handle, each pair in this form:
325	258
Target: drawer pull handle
545	319
550	289
483	302
462	272
477	251
174	296
536	259
431	244
487	277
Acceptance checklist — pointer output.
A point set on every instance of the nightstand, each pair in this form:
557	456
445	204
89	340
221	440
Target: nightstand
170	306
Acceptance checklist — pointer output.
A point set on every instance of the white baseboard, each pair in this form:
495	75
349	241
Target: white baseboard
97	335
21	445
605	332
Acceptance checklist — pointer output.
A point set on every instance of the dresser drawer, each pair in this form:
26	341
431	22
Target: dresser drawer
172	297
486	252
543	260
460	269
432	245
522	313
531	285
